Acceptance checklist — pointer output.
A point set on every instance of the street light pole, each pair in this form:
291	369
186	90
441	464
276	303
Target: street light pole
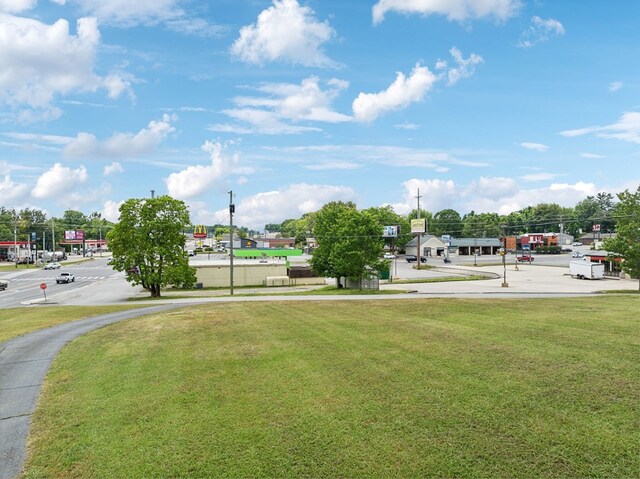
232	210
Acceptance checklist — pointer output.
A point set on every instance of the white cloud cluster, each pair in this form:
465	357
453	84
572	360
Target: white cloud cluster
273	206
121	145
16	6
11	191
113	168
283	105
58	180
410	89
111	210
488	194
197	179
29	76
539	147
627	128
402	92
457	10
125	13
465	67
539	31
286	31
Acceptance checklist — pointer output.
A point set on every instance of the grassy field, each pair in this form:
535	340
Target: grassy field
17	321
416	388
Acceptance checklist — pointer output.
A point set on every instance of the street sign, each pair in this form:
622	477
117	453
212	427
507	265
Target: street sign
43	285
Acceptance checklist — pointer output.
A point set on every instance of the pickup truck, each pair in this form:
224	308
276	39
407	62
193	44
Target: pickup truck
65	278
3	284
525	257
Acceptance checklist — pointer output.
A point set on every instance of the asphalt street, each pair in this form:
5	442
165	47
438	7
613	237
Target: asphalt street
24	362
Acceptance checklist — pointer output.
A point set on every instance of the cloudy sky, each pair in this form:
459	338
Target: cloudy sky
484	105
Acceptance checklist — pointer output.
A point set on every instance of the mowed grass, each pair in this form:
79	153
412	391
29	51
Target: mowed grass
17	321
403	388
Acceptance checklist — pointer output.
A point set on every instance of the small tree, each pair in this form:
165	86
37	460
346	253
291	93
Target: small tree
148	242
627	240
349	242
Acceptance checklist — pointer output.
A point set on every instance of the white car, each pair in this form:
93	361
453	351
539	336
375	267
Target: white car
577	254
53	265
389	256
577	243
65	278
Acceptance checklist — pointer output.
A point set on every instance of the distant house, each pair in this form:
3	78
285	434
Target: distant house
429	246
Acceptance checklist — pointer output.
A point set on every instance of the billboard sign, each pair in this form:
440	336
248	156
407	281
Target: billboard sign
390	231
74	235
200	231
418	226
596	228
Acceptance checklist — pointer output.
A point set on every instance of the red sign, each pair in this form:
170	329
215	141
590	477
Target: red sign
200	232
596	227
43	285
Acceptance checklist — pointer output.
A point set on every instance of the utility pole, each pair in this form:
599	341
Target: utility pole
504	257
15	243
153	194
419	234
53	237
232	210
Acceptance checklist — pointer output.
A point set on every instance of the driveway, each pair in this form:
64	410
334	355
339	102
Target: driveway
24	362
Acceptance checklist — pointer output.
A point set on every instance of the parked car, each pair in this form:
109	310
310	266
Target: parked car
525	257
53	265
577	243
3	284
389	256
411	258
65	278
577	254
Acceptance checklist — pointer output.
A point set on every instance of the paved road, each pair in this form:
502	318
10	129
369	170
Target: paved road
24	362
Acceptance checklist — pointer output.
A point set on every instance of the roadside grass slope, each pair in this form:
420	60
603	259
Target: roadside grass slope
416	388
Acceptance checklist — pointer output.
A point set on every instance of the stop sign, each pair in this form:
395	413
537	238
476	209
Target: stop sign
43	285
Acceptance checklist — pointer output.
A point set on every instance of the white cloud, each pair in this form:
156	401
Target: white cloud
407	126
58	180
197	179
492	188
121	145
286	31
282	105
113	168
539	147
30	78
111	210
16	6
334	165
11	191
540	176
591	156
627	128
125	13
464	67
402	92
615	86
539	31
274	206
458	10
436	194
195	26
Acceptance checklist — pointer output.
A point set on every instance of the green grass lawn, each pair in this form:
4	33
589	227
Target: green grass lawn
17	321
410	388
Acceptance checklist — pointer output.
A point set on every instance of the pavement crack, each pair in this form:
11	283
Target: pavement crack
16	416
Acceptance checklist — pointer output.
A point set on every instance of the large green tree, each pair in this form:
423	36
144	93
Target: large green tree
349	242
148	242
447	222
627	240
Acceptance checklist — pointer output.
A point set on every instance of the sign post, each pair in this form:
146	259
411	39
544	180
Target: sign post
43	287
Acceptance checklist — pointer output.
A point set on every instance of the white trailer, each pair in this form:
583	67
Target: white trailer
586	270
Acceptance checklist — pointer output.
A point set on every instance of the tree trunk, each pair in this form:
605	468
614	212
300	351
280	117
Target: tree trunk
155	290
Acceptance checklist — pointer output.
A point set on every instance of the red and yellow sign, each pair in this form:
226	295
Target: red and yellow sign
200	231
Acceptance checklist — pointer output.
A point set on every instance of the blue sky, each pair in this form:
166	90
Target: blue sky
484	105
